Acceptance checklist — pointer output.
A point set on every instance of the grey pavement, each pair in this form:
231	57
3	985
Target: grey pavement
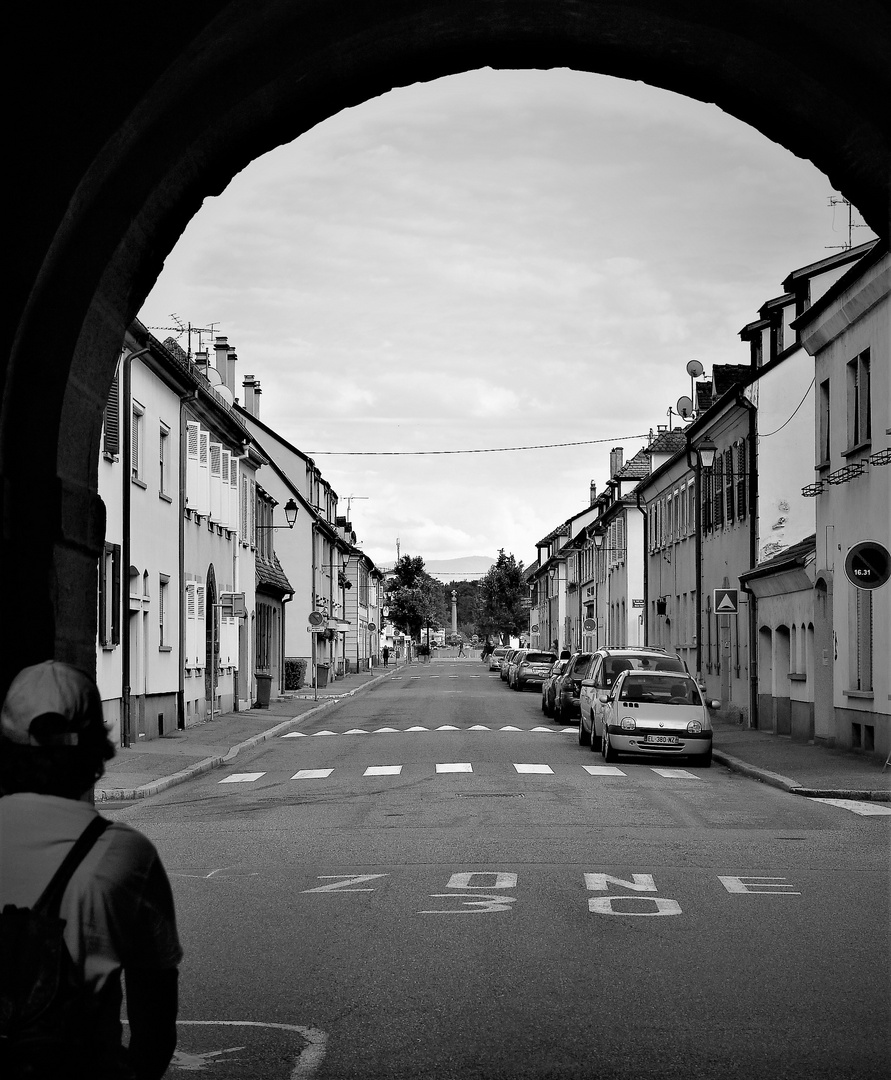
149	767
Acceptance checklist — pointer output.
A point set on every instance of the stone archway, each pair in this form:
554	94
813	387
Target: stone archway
135	118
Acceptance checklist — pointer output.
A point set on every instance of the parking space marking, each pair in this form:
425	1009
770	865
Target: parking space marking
312	774
533	768
677	774
383	770
454	766
864	809
603	770
241	778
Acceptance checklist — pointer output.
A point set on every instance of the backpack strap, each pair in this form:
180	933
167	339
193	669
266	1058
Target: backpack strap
51	897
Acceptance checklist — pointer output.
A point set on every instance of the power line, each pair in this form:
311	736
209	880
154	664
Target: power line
797	407
487	450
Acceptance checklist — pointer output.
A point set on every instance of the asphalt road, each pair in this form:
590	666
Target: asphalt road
454	914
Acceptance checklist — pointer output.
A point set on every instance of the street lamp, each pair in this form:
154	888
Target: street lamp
705	453
291	511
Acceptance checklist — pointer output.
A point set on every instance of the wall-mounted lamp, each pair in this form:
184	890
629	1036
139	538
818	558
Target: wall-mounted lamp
291	511
707	452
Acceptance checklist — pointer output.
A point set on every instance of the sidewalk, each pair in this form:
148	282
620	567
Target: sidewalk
147	768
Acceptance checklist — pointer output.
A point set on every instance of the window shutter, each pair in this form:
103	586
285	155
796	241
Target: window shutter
113	418
116	595
225	466
200	629
134	445
245	495
741	469
193	429
252	507
728	482
718	490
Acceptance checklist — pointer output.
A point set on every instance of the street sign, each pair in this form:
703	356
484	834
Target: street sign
371	628
868	564
534	629
316	629
637	603
589	624
726	601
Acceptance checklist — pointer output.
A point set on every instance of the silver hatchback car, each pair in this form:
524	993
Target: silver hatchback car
656	712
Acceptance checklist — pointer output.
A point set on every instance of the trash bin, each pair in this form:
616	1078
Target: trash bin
321	675
264	690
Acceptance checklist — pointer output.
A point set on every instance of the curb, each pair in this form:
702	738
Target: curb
155	787
793	787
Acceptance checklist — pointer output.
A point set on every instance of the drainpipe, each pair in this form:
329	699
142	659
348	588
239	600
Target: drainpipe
752	468
698	558
181	629
127	462
646	568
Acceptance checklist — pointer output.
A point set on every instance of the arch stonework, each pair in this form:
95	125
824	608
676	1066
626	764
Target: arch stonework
126	117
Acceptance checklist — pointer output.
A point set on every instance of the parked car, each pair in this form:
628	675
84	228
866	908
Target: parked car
496	656
604	668
530	667
547	687
568	687
656	712
505	663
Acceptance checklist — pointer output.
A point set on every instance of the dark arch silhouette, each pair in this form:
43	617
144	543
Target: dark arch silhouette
126	116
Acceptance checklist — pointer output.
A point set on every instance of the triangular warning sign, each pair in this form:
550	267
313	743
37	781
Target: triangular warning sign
727	602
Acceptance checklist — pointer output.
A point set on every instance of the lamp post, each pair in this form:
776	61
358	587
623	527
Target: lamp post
291	512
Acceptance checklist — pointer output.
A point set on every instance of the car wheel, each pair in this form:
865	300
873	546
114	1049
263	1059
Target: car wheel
609	754
544	704
584	736
596	743
703	760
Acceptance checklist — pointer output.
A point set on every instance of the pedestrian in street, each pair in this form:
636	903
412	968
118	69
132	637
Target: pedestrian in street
386	655
461	648
117	905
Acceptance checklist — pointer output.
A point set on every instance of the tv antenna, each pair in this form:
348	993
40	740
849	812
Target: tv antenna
186	328
350	499
840	200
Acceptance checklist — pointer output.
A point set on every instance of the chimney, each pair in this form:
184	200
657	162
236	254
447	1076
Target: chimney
221	359
257	393
249	401
230	370
592	493
615	460
201	362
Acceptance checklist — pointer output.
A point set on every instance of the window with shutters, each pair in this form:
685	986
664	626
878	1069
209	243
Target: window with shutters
729	491
861	626
164	460
706	482
859	422
110	596
137	449
245	509
164	639
111	427
718	491
742	479
823	449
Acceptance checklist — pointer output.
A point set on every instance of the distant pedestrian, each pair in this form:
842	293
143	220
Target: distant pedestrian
386	655
116	911
461	648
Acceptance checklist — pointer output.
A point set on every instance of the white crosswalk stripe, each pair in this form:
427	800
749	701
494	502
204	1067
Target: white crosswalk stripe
418	727
523	768
864	809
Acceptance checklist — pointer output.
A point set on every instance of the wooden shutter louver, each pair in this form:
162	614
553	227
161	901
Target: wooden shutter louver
112	422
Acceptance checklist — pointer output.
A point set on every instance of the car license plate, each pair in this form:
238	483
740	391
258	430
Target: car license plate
662	740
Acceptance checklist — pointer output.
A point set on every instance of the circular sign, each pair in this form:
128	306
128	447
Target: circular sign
371	628
316	618
868	564
534	629
589	624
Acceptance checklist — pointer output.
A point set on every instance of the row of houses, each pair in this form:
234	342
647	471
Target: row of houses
736	538
228	575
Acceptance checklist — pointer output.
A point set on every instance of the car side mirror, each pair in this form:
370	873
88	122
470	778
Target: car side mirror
587	682
713	704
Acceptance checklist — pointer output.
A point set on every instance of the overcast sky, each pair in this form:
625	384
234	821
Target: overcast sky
496	259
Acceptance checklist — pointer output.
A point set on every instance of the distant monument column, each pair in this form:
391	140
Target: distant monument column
454	611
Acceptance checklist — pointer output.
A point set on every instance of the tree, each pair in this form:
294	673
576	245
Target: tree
503	599
413	597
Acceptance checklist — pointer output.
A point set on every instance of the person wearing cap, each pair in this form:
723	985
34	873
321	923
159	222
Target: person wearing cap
118	906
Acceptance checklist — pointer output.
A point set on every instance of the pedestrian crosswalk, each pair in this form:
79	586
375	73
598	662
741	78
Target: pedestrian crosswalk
420	727
443	767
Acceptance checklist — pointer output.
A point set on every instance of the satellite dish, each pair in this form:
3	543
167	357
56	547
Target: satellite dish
685	407
694	368
316	618
213	376
225	393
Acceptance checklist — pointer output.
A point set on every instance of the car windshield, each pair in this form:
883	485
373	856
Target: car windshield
540	658
614	665
660	689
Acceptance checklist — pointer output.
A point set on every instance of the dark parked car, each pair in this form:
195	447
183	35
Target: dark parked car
568	687
548	688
